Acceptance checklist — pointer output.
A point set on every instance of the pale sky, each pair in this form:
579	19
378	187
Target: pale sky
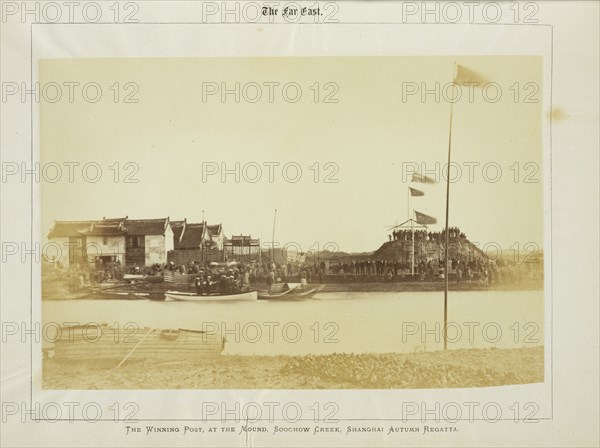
367	134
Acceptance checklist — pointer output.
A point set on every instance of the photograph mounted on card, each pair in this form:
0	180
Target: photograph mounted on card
293	222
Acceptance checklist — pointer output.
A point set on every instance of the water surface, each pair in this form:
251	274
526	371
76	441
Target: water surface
375	322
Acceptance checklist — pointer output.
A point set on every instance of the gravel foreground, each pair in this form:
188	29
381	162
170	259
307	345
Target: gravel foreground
452	368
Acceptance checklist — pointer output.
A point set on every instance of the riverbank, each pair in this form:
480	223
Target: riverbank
354	286
425	286
416	286
443	369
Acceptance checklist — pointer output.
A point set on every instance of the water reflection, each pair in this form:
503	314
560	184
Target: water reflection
377	322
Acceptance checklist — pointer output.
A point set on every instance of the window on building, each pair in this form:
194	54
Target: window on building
135	241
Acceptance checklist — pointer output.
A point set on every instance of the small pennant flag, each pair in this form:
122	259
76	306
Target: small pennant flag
415	192
422	218
416	177
464	75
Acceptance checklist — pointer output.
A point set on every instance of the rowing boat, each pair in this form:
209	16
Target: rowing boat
119	295
192	297
288	291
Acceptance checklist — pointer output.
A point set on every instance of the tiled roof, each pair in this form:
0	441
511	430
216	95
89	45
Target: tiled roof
104	229
214	229
192	236
185	235
63	229
177	228
107	227
146	226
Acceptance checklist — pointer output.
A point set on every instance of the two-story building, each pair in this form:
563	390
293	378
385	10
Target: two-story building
122	240
148	241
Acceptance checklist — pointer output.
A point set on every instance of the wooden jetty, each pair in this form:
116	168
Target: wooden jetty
120	343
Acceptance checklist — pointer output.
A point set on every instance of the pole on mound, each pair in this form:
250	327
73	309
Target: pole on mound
447	235
412	257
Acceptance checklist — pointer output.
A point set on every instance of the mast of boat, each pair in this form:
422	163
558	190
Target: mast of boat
273	238
203	242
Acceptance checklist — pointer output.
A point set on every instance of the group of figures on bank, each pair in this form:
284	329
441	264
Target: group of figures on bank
424	235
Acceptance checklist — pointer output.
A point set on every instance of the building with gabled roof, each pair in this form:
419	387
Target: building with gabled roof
193	236
196	242
148	241
122	240
216	235
64	229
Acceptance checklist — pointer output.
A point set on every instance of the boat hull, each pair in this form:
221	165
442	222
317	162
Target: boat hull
292	294
191	297
117	295
134	277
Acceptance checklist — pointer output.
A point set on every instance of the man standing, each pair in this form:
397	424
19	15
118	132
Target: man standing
246	279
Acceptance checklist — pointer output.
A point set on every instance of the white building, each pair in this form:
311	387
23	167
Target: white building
122	240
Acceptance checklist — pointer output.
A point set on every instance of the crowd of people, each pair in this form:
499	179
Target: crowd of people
424	235
82	275
224	278
238	276
230	282
466	269
396	268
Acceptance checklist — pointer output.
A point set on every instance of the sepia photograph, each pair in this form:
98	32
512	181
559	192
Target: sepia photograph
304	223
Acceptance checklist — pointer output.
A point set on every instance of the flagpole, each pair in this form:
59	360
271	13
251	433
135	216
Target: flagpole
447	214
273	238
412	262
408	205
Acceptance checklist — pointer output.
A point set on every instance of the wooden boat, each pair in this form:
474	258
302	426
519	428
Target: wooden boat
119	295
288	291
134	277
193	297
122	343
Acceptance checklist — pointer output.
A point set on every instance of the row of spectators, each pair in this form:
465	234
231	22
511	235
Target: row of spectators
425	235
466	269
380	267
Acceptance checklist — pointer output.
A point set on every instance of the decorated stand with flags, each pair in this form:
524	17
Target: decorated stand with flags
416	220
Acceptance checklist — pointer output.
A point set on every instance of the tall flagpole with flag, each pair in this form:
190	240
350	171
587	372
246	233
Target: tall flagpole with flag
420	219
463	76
446	233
